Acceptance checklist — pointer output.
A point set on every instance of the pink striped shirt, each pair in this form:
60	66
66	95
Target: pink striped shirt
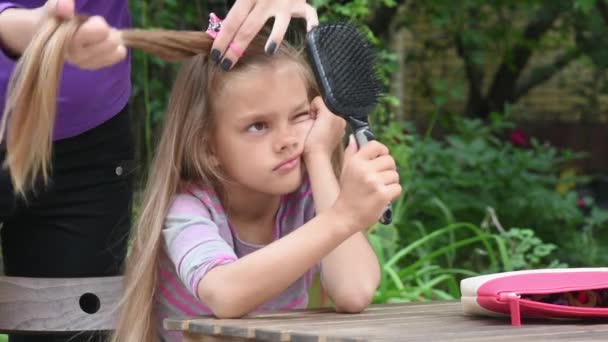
197	237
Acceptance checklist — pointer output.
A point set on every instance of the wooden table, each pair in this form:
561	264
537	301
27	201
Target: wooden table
428	321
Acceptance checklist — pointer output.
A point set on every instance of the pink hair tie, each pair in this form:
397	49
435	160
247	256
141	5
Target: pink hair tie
215	25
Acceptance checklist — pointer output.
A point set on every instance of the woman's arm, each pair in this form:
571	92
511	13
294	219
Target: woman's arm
95	44
17	26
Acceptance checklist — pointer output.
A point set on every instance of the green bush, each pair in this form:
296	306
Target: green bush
431	265
476	168
474	203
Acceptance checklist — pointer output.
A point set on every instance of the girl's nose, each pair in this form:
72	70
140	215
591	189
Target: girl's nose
287	139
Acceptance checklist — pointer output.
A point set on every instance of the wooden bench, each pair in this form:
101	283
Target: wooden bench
34	305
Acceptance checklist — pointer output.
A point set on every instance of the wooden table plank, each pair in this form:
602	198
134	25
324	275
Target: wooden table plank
429	321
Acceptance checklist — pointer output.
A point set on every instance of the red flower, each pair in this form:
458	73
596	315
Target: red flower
518	138
581	202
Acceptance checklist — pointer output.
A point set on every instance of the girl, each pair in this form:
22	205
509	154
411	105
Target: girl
243	203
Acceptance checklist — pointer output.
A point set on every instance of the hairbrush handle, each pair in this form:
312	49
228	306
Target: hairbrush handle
363	135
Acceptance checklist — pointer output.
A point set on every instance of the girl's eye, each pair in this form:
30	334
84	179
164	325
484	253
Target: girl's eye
257	127
302	117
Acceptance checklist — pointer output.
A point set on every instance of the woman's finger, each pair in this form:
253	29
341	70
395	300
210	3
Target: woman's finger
62	8
312	19
93	31
108	52
281	23
245	34
236	16
108	59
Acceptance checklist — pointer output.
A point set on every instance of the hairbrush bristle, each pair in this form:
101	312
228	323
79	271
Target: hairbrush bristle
344	64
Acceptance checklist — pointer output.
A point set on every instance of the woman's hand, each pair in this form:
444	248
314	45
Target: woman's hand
95	45
247	17
63	9
326	132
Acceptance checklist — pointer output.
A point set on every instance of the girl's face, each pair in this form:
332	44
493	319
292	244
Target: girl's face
262	120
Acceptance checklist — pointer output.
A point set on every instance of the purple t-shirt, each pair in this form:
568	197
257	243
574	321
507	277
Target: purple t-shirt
86	98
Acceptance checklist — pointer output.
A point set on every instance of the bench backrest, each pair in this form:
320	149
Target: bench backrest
58	305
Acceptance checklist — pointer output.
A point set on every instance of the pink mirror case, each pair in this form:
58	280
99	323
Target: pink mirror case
544	293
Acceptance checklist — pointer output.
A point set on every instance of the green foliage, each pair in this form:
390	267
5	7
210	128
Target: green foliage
459	195
584	6
152	77
506	48
476	167
431	266
591	35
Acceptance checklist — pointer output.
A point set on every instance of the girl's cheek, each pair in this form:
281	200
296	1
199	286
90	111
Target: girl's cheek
305	127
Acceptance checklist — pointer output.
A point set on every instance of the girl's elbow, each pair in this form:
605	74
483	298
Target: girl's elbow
227	312
354	305
356	301
226	309
220	303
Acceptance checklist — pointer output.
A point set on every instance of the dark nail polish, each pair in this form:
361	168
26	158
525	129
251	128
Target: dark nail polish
226	64
271	48
215	55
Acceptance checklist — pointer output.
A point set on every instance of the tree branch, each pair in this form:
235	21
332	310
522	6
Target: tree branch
474	75
543	73
473	71
380	21
602	7
503	86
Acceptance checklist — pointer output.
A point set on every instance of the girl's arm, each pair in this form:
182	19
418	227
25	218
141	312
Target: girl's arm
239	287
350	269
350	273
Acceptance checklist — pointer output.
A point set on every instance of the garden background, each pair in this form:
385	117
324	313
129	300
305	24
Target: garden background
496	112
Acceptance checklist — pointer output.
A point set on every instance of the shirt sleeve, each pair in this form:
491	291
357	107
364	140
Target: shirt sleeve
4	57
5	5
193	241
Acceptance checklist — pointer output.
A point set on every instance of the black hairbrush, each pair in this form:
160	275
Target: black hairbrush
344	65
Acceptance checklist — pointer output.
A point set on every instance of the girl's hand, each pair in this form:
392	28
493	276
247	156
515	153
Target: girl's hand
95	45
369	181
326	132
247	17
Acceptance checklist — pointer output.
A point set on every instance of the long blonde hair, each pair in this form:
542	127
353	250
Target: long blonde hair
183	153
182	157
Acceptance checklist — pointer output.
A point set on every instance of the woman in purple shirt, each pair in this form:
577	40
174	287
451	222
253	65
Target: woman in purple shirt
77	225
